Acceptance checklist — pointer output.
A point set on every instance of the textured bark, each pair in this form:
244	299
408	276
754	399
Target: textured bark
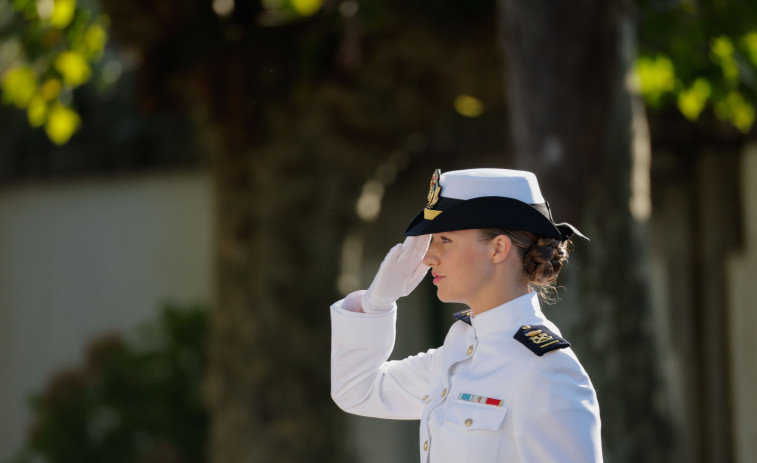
574	123
267	384
281	206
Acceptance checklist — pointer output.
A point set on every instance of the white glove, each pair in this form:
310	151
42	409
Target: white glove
398	275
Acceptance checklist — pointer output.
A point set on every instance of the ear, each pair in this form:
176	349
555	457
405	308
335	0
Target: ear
501	247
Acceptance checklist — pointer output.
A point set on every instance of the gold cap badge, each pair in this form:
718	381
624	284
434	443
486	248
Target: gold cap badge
433	196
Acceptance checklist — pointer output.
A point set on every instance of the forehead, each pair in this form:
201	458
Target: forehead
472	233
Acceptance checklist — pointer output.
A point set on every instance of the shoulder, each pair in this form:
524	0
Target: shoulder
547	356
540	339
551	373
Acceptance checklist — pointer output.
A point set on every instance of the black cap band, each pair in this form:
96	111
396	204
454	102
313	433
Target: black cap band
486	212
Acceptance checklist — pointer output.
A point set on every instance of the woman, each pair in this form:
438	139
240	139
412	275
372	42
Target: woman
505	386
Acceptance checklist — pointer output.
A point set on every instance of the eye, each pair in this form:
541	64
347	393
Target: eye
444	239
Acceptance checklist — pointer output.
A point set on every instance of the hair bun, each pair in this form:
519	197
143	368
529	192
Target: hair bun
544	260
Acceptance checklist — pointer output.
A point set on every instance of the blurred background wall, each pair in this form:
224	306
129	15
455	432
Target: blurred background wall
86	257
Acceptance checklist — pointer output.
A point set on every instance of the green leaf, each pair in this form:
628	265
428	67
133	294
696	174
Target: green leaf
691	101
656	76
73	67
61	124
306	7
36	112
737	110
749	43
723	54
63	13
19	86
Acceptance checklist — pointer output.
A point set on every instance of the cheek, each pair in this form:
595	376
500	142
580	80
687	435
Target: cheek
473	268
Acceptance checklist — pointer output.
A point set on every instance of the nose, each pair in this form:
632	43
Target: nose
431	258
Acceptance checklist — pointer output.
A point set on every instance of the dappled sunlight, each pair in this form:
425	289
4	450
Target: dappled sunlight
640	201
223	8
468	106
277	12
306	7
368	206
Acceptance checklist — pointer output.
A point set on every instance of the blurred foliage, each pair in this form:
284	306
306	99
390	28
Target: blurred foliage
281	11
132	401
468	106
48	48
695	54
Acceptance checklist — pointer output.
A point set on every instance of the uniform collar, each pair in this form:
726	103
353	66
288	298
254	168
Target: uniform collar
507	315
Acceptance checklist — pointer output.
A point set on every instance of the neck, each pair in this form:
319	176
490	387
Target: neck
494	299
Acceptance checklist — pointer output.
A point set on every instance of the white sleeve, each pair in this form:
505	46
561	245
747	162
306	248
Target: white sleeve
362	381
557	414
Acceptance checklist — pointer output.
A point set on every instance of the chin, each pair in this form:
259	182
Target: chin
446	298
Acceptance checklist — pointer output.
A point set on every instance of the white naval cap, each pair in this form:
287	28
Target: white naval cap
474	183
487	198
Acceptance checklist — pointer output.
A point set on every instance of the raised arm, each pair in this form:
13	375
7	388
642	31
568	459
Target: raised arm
363	331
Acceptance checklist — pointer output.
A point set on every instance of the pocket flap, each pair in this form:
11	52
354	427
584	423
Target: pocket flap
475	416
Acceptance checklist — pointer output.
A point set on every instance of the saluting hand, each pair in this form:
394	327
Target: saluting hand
398	275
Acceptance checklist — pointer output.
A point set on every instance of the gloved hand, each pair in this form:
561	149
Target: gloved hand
398	275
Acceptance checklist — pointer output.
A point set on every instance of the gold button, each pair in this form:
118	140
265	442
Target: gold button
425	397
470	349
468	422
525	327
425	445
444	392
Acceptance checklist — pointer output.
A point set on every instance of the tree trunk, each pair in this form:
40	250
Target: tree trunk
267	382
577	124
282	201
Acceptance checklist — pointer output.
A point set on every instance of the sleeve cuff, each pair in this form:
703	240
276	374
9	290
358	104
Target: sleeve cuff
339	308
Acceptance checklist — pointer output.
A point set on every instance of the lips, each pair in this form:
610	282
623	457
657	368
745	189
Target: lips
437	277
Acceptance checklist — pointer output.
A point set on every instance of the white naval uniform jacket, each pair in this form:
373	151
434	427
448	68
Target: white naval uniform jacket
540	408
